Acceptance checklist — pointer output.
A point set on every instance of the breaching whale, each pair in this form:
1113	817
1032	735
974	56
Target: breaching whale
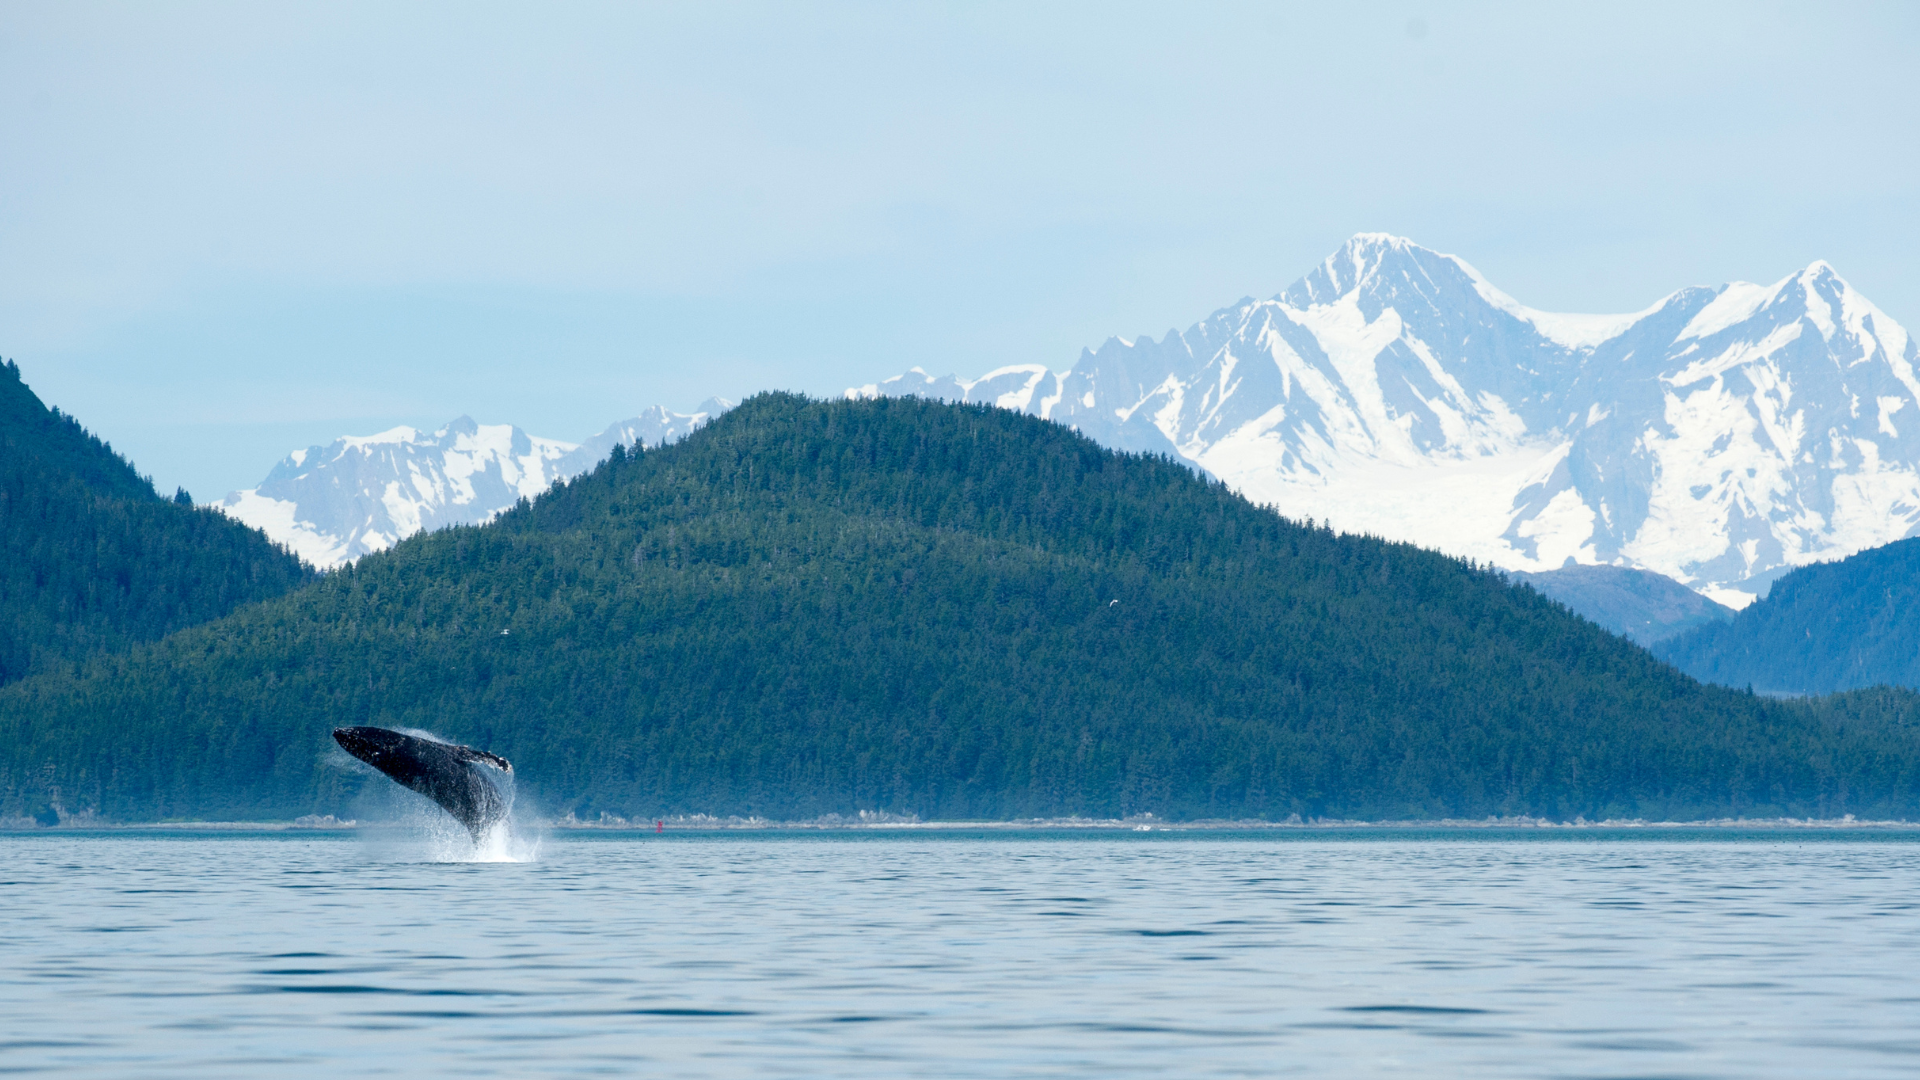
450	775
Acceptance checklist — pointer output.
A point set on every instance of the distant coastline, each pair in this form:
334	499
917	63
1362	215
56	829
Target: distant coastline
835	823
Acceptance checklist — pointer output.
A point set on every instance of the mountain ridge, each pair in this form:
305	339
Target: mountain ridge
1639	605
1717	437
360	494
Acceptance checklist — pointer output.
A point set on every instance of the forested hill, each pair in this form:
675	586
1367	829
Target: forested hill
1832	626
951	611
92	558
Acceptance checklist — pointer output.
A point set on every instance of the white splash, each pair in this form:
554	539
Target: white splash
451	843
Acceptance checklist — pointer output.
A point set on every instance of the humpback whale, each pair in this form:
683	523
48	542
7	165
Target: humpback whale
448	774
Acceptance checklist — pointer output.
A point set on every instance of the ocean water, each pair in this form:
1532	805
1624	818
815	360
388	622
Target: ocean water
919	953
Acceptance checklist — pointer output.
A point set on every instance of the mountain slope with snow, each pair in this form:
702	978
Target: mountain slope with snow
360	494
1720	437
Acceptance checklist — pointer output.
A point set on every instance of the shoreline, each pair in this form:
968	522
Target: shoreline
705	824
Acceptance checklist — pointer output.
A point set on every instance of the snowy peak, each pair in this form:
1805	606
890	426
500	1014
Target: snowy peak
1376	267
1719	436
1818	295
651	428
332	504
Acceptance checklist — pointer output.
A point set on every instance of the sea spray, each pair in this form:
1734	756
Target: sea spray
507	840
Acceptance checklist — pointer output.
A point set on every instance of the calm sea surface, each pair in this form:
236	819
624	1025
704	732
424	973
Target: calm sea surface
947	954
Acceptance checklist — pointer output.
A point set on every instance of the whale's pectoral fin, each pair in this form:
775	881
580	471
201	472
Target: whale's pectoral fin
468	753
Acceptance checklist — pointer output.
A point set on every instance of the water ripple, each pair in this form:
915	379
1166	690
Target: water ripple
966	955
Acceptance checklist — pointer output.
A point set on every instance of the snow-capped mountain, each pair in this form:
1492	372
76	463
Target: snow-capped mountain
1720	437
360	494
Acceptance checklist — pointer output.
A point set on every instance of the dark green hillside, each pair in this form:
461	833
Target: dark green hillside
1834	626
92	558
898	605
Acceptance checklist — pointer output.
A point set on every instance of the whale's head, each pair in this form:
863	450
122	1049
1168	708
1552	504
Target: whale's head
372	745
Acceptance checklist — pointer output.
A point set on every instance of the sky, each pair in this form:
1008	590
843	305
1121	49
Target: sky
228	231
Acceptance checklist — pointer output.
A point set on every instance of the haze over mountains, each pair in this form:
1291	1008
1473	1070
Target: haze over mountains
1720	437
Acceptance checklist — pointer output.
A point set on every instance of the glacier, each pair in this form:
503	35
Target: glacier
333	504
1720	437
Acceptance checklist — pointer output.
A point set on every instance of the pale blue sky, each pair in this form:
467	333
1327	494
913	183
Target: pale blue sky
227	231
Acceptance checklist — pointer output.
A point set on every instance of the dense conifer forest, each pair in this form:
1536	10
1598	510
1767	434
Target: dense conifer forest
950	611
93	559
1833	626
